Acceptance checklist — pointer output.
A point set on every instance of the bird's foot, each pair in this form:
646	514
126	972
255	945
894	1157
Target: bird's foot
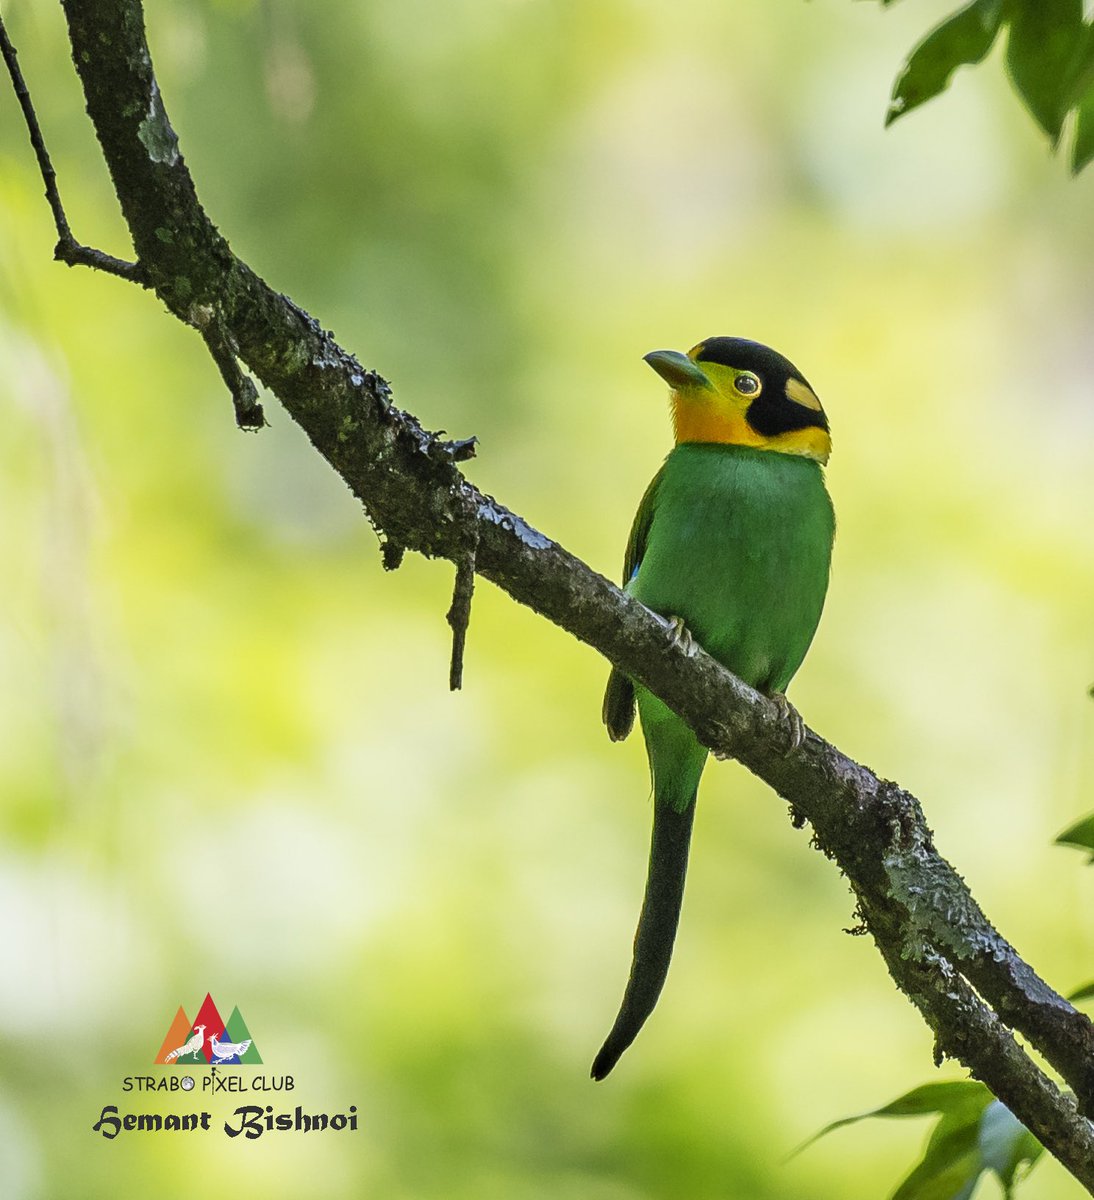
681	636
791	719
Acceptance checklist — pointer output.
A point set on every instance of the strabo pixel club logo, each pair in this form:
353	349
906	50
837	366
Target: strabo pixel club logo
208	1041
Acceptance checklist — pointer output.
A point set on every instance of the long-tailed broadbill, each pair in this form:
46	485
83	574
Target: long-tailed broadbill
732	543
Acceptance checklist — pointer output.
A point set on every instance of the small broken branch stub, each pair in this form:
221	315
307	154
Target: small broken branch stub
459	614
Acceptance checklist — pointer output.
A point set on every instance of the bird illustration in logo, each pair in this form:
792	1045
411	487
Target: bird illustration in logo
224	1051
193	1046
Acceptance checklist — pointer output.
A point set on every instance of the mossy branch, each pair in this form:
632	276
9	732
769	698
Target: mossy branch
971	986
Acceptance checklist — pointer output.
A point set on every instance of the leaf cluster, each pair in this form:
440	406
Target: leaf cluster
974	1134
1080	835
1049	58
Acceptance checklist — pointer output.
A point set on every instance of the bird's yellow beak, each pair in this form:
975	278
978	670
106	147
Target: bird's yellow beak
676	369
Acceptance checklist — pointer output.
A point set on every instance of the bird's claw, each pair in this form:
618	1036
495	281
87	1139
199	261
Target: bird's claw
681	636
791	719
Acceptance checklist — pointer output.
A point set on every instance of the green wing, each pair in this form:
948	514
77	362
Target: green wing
618	711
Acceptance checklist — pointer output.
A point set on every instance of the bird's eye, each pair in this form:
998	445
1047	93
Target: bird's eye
747	384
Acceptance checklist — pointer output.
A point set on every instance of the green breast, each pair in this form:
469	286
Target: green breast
739	546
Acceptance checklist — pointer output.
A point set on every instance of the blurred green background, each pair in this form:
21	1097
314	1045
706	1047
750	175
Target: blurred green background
228	758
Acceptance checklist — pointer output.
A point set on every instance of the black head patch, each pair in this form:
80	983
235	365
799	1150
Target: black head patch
774	410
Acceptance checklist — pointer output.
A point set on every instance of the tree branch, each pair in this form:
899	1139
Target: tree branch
970	985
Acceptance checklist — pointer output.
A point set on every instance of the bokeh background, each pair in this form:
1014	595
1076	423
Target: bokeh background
228	759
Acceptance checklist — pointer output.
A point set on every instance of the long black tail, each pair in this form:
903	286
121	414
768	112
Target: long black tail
656	929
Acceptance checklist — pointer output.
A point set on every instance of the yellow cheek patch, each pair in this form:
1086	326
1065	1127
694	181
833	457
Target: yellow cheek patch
800	394
702	419
698	416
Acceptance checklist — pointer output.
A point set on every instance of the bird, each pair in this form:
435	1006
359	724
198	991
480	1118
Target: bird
732	546
193	1046
222	1051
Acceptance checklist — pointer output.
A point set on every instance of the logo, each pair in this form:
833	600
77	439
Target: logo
207	1040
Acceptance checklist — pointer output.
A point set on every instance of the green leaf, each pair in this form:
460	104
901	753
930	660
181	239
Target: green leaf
1005	1144
1083	993
954	1098
1080	834
1082	79
1045	55
950	1098
964	38
948	1169
951	1163
1083	149
975	1133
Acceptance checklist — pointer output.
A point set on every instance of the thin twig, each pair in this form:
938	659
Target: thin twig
49	176
68	249
75	254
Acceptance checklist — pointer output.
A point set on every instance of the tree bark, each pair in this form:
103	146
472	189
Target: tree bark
970	985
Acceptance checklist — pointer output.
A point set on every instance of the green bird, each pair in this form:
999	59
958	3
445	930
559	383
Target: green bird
732	543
